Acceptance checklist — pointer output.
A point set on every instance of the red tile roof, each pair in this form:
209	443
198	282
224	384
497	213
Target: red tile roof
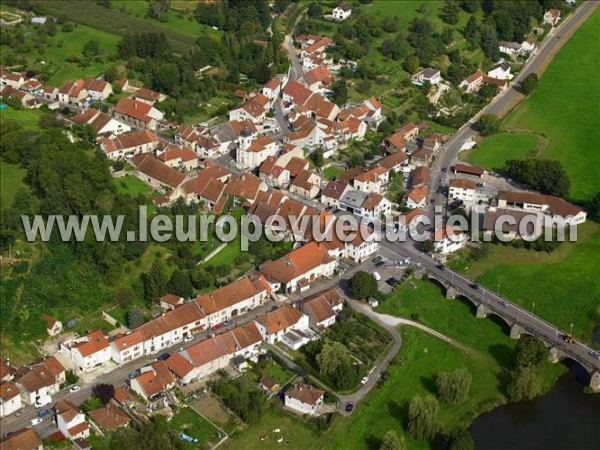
318	74
297	91
305	394
133	108
231	294
280	319
297	262
147	164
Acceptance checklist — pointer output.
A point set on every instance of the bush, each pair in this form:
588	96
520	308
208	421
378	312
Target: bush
488	124
362	285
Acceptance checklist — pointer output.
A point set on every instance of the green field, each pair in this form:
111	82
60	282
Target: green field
564	108
331	172
27	118
495	150
130	185
563	285
11	181
194	425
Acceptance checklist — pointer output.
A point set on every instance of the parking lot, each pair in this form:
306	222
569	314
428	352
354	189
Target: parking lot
387	272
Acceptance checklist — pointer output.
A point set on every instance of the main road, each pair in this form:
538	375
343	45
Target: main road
449	152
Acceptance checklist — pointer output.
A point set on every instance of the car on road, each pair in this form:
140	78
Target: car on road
36	421
377	259
364	380
393	282
503	303
474	286
74	389
444	169
163	357
595	355
568	338
440	266
43	412
349	407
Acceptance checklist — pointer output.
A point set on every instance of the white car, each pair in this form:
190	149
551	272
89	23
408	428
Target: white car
74	389
188	339
376	276
36	421
364	380
42	403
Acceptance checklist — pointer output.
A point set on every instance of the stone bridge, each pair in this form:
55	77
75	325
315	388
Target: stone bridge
519	321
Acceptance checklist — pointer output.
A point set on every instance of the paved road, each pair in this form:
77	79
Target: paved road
449	152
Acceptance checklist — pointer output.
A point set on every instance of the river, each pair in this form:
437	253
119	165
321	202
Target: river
563	419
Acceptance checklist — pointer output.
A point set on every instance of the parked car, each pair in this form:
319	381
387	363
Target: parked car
364	380
349	407
392	281
42	402
444	169
376	276
163	357
36	421
19	413
188	339
595	354
440	266
380	263
43	412
74	389
377	259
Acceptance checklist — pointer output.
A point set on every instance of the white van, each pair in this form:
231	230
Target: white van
376	276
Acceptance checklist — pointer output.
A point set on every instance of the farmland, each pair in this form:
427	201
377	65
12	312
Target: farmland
564	109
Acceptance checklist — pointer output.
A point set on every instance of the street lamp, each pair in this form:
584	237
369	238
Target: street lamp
555	337
571	332
532	307
498	289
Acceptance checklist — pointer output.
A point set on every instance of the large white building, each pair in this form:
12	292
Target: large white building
88	352
274	325
10	398
304	399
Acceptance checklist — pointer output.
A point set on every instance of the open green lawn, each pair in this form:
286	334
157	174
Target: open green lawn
131	185
495	150
564	285
194	425
11	181
332	172
228	255
27	118
565	108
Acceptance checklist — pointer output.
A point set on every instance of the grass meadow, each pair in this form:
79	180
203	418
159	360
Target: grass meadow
11	181
494	151
564	109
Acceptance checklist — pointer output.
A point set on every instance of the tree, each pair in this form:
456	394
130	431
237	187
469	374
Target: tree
335	362
422	421
391	441
92	49
390	24
91	404
530	83
157	9
545	175
450	12
458	439
453	387
155	282
104	392
135	317
180	284
525	384
340	92
488	124
448	35
530	351
594	208
427	246
411	64
362	285
317	157
314	10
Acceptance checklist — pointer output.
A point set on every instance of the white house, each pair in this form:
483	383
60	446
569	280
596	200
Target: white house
12	79
71	421
429	75
40	381
129	144
410	221
306	184
53	326
10	398
127	347
88	352
462	189
299	268
552	17
473	82
273	325
359	249
304	399
253	109
97	89
178	157
100	122
233	299
501	71
137	114
372	180
333	192
558	210
215	353
341	11
323	307
417	197
153	381
251	153
448	239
